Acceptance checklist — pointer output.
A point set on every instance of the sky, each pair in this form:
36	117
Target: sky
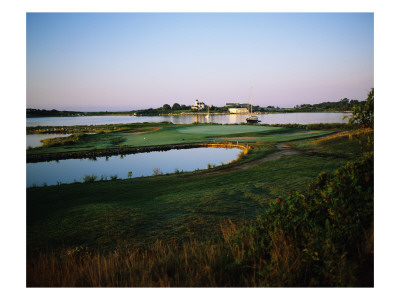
129	61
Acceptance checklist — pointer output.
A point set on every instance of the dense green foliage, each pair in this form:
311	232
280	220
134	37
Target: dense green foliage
176	106
363	113
329	230
215	109
31	112
342	105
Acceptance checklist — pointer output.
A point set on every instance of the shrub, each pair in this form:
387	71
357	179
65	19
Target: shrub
89	178
62	141
118	140
157	171
323	238
363	113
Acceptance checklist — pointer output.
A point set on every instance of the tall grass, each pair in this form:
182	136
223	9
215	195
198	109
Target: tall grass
114	177
62	141
157	171
89	178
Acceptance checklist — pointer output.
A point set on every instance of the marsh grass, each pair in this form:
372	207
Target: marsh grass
177	171
157	171
62	141
89	178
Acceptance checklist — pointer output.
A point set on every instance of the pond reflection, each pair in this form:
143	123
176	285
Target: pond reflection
127	166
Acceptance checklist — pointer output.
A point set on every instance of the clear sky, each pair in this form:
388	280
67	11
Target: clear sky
126	61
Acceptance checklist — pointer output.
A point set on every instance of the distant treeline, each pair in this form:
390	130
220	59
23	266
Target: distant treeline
31	112
342	105
177	108
339	106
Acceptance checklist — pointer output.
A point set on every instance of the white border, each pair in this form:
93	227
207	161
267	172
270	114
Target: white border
13	165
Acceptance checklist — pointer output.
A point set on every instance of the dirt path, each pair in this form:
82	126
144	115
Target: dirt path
284	150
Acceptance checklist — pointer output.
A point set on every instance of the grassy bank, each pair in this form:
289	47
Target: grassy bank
176	205
323	237
210	228
157	134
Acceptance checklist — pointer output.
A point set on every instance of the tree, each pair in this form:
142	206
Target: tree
344	104
363	113
176	106
166	107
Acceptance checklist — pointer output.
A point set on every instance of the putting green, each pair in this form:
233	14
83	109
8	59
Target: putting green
225	129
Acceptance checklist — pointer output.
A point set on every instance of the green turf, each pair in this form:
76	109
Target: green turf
133	212
213	130
129	213
179	134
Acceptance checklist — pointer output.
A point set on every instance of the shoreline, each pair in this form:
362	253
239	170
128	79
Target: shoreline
188	114
33	158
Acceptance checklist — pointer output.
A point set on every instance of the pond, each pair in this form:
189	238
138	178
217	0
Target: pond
279	118
140	164
34	140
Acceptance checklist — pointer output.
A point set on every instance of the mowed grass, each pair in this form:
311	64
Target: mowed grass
135	212
180	134
275	138
184	229
214	130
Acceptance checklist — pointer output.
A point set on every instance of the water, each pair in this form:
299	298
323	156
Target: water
281	118
140	164
34	140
